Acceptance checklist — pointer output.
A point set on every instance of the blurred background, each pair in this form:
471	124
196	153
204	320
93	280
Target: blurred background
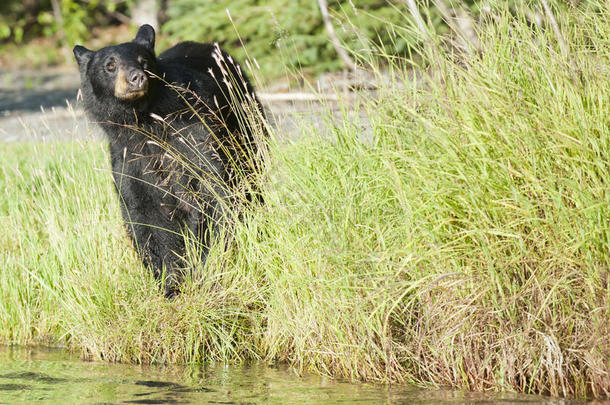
289	43
41	33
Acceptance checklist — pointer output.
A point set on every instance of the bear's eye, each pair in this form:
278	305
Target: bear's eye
111	65
143	63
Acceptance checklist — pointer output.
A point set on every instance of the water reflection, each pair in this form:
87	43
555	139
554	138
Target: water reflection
30	375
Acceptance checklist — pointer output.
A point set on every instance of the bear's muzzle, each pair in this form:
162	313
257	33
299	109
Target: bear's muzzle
130	84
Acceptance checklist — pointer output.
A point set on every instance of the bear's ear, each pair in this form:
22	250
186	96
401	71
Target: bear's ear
82	55
146	37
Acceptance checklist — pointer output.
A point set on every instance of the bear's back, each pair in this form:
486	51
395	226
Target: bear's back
211	62
194	55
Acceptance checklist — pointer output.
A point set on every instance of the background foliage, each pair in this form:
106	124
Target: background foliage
287	30
21	21
279	34
276	32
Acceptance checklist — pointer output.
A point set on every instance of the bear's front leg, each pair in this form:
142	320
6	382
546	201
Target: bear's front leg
156	234
159	242
163	251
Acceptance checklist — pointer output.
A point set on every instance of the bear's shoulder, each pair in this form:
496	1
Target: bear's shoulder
186	50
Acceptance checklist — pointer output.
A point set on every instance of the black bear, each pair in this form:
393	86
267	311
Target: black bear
181	133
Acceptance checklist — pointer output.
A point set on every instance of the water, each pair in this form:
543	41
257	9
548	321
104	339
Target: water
52	376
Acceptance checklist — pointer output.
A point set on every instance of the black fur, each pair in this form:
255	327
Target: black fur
177	143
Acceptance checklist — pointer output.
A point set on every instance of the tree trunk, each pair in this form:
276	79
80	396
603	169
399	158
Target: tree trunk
145	12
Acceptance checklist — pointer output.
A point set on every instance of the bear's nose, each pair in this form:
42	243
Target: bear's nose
137	78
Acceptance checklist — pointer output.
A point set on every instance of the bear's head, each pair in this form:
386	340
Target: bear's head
120	72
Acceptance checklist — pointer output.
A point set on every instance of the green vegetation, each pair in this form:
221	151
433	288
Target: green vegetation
291	31
287	30
457	233
42	33
22	21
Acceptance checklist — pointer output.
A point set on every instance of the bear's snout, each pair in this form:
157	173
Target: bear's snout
130	84
137	79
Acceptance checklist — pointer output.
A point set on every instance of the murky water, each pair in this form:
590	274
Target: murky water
52	376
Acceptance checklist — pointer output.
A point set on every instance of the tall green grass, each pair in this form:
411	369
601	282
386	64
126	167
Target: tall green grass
457	233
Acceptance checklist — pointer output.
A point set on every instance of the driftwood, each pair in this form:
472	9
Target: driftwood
563	45
461	23
347	61
419	21
296	97
565	50
458	20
